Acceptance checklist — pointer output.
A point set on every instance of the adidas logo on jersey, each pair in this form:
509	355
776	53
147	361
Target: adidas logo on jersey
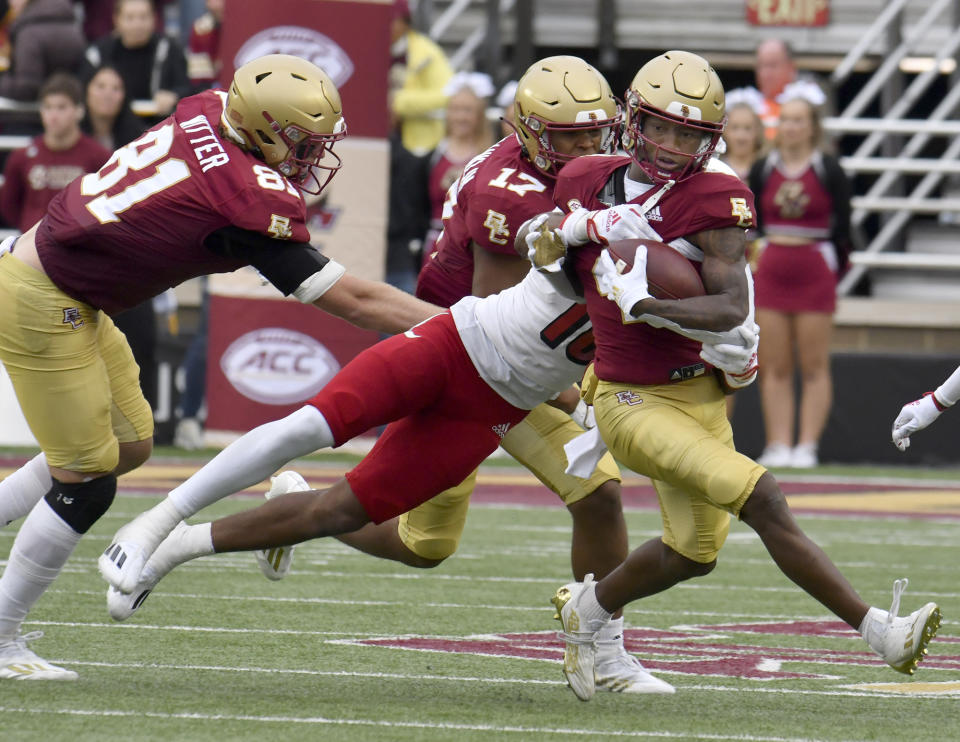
654	215
501	429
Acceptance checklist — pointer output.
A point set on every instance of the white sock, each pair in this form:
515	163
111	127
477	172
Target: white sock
591	612
41	548
873	625
252	458
183	544
611	633
23	489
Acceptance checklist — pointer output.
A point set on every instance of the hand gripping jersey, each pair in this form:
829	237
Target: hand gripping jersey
631	351
527	342
138	226
497	192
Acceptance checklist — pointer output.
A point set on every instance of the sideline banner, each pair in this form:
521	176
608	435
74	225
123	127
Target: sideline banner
267	355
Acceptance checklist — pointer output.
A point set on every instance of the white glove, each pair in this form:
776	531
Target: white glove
737	360
626	289
913	417
545	248
584	453
584	416
623	222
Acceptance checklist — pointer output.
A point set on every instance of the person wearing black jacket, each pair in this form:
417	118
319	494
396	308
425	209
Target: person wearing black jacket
153	65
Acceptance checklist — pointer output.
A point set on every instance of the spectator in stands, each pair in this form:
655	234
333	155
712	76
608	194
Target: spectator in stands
505	100
98	16
203	49
6	19
468	134
153	64
418	75
108	117
409	215
774	69
110	121
35	174
44	38
743	135
803	213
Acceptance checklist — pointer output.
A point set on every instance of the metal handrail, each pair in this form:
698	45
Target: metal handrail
891	63
859	50
906	261
470	44
899	164
906	204
846	125
447	17
898	221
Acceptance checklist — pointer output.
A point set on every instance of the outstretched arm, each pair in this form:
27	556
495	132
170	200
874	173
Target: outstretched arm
300	270
374	305
920	413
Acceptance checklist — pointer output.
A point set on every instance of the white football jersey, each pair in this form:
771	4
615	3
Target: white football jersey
528	342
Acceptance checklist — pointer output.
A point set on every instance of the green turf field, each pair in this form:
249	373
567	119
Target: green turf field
352	648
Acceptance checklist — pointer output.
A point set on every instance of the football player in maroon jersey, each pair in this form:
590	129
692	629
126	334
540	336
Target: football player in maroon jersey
564	109
212	188
659	406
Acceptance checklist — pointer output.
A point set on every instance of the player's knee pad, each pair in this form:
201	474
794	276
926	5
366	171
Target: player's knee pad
81	504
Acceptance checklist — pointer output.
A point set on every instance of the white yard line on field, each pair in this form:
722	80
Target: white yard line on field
390	723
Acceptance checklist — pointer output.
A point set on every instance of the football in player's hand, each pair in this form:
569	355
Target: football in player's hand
669	274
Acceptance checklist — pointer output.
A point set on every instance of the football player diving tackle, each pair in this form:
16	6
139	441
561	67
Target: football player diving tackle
214	187
528	345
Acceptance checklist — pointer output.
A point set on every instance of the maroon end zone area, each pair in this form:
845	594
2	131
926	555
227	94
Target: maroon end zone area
717	650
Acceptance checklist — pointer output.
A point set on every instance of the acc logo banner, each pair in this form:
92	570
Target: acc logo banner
277	366
299	42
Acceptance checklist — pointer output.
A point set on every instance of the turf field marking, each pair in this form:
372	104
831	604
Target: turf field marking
325	721
541	609
927	690
858	690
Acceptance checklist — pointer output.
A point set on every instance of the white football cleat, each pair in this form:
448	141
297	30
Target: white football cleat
619	671
121	563
134	544
167	556
275	562
580	650
19	663
902	640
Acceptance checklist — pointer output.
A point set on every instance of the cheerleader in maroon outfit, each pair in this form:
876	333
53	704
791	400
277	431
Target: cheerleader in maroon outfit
803	210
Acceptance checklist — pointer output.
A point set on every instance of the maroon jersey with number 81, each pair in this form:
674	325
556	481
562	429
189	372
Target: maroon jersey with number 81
137	226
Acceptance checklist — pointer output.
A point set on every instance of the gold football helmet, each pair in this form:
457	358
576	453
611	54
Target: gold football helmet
682	88
562	93
287	111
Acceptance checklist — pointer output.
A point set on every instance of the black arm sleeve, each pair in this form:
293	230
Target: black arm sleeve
285	264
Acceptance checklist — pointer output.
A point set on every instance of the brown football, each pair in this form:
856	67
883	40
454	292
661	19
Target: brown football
669	274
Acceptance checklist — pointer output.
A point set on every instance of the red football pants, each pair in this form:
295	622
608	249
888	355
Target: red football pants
445	419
